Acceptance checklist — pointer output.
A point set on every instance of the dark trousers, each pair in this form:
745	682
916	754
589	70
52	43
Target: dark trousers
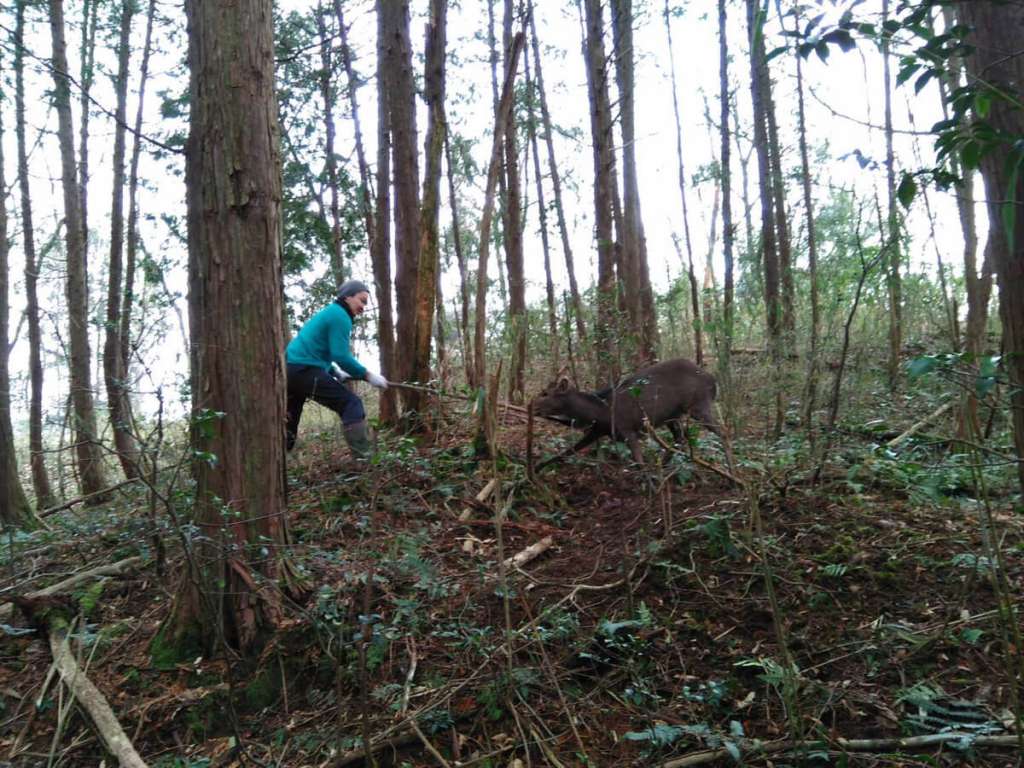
310	382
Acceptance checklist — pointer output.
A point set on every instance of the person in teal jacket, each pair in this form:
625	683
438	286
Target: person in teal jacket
320	345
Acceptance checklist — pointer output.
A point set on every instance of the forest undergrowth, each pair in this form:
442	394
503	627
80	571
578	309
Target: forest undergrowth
644	615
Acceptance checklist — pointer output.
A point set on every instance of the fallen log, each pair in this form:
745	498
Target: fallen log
89	697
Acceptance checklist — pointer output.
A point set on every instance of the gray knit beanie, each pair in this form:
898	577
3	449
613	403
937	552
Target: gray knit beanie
351	288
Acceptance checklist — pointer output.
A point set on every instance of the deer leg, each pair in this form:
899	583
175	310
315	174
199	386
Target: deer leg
677	432
634	445
591	436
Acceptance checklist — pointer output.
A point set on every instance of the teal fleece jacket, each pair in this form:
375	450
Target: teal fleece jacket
323	340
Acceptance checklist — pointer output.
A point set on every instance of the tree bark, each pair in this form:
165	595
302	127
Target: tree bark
128	300
893	225
542	213
604	184
460	258
487	215
87	56
380	245
233	187
40	476
556	186
769	254
400	97
15	510
725	350
634	241
87	449
996	61
517	316
785	248
114	373
811	387
429	259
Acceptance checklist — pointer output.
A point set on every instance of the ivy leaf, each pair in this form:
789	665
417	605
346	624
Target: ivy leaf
920	366
923	80
842	38
907	190
982	103
970	154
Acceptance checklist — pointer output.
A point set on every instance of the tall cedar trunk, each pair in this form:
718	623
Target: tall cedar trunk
128	300
779	201
487	215
517	317
401	101
327	94
556	186
498	233
15	510
380	245
87	451
634	240
429	260
40	477
995	60
542	212
460	258
233	187
769	254
604	184
114	373
725	349
698	336
978	285
87	56
892	244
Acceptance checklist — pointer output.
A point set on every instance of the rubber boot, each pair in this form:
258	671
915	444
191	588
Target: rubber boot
358	438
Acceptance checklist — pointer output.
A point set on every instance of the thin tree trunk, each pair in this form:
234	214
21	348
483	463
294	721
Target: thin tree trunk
785	248
892	245
725	349
87	55
542	214
128	301
366	189
429	260
87	450
331	159
978	286
698	336
811	387
770	258
634	240
380	251
517	317
114	373
604	186
486	216
40	477
15	510
556	186
460	257
400	96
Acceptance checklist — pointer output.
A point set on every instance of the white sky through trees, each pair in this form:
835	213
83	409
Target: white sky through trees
843	96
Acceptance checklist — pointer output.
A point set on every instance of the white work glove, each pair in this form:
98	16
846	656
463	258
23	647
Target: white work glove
339	374
376	380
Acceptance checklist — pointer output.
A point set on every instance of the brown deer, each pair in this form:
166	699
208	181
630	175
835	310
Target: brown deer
659	394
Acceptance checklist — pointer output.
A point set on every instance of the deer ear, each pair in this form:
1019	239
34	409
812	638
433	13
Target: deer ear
563	384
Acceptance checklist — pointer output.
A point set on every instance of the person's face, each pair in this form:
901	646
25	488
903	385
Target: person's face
357	303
